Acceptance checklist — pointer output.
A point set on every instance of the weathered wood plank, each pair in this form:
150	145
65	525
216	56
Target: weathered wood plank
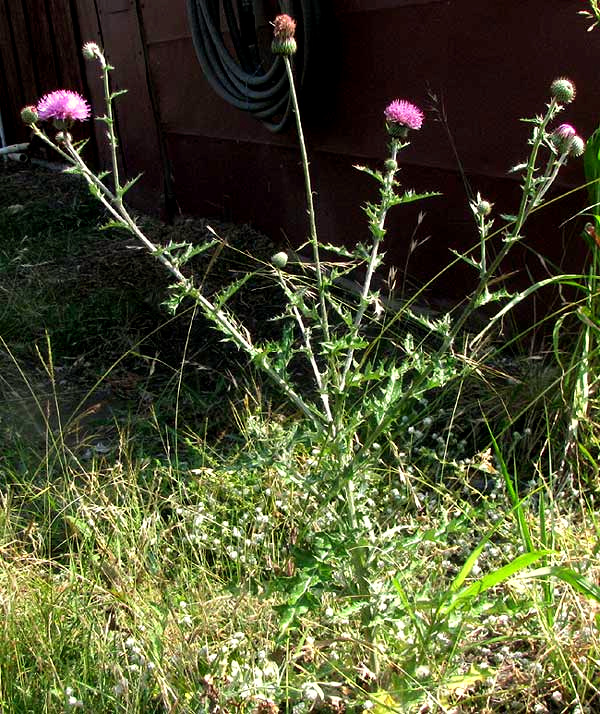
41	47
11	89
114	25
90	31
69	61
25	52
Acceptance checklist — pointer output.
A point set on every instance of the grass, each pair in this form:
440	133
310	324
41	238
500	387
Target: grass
165	547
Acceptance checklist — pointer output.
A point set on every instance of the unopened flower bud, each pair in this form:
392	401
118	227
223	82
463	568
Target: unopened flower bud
279	260
29	115
391	165
483	208
563	90
577	146
591	231
565	132
284	42
566	140
91	51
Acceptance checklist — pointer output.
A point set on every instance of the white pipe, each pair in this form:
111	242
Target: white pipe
14	148
20	158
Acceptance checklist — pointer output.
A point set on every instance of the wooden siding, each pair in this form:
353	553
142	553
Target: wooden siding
39	52
490	64
116	26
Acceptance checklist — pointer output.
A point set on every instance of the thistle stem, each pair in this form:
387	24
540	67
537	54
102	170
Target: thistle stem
387	191
309	200
112	137
532	193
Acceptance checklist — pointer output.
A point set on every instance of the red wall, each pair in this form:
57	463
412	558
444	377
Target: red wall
490	62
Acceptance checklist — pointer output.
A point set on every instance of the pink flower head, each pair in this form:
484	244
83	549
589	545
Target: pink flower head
565	138
63	105
404	115
565	132
284	42
284	27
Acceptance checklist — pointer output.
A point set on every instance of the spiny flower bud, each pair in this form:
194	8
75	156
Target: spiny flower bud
29	115
577	146
91	51
279	260
564	132
284	42
566	140
563	90
480	207
483	208
562	137
390	165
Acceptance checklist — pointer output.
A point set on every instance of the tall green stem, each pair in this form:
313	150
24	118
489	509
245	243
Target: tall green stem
378	232
532	193
309	201
361	572
112	136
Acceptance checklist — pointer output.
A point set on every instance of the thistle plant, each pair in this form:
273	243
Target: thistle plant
580	369
550	150
64	107
334	356
354	397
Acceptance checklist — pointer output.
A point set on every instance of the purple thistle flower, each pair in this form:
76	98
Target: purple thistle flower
565	131
565	138
284	42
284	27
63	105
402	115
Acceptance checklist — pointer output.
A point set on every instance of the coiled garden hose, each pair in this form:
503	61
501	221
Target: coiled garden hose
249	77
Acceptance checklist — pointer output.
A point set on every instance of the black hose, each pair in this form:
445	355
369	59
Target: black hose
248	79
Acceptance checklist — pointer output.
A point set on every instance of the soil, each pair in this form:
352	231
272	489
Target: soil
105	347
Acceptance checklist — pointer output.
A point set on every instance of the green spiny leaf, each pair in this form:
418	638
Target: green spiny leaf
123	190
117	93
